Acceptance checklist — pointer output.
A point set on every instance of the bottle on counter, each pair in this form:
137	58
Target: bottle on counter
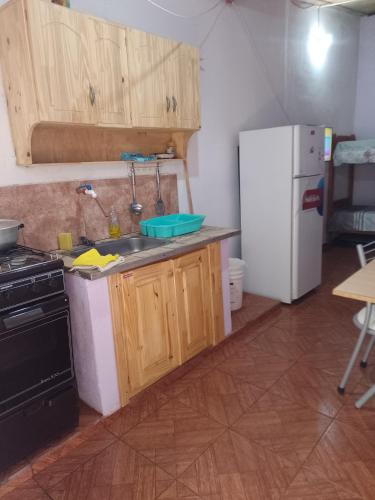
114	225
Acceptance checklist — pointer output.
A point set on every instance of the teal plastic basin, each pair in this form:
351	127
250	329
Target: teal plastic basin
168	226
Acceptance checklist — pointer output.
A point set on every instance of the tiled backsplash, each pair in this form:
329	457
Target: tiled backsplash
49	209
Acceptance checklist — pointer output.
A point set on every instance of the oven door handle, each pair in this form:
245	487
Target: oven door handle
14	320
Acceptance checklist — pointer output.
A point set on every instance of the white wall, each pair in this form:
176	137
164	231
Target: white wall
244	84
364	123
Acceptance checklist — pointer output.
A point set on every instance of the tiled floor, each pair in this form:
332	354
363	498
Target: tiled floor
257	418
253	308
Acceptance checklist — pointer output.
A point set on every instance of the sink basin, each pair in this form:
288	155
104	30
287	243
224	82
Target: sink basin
123	246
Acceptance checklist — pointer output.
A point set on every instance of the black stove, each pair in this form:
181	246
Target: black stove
23	261
38	394
27	275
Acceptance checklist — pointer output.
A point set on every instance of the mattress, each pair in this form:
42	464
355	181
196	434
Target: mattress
354	152
355	218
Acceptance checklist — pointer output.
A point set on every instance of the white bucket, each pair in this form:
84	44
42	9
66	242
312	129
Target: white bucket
236	275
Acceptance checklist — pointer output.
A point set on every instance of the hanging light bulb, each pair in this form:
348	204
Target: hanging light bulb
319	44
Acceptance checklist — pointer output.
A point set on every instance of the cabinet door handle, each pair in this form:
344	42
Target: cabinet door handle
174	104
168	104
92	95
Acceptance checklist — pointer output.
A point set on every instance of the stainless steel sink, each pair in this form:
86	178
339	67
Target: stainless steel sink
123	246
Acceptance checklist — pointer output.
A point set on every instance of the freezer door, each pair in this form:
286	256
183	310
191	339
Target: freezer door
308	145
308	195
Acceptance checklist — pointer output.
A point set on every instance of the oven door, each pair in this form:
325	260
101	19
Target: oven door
35	351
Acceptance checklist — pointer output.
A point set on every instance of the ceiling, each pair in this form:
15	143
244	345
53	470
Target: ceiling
364	7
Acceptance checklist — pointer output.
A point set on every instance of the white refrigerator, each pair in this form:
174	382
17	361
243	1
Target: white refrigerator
281	189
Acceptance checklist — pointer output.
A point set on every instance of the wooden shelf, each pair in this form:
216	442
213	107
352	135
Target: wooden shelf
80	144
112	163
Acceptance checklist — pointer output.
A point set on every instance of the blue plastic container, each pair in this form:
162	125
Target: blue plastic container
168	226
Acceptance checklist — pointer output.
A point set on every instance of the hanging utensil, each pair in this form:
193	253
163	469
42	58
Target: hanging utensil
135	207
159	205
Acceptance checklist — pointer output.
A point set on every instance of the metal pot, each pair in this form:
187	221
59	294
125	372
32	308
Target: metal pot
8	233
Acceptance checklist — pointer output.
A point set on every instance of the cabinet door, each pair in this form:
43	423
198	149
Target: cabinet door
111	82
149	99
171	80
217	308
59	39
17	75
193	291
183	79
150	323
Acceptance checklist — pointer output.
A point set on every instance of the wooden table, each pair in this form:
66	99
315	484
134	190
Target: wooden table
360	286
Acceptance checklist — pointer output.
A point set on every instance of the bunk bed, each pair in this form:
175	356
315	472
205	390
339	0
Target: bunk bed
343	216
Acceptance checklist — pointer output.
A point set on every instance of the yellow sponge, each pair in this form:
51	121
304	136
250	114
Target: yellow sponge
93	258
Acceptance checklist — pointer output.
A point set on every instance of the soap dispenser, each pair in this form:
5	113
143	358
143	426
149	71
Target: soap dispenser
114	225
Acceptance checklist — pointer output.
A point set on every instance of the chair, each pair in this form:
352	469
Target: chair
364	320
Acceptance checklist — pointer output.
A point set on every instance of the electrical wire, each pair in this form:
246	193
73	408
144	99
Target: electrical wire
176	14
337	4
213	25
259	59
308	4
301	4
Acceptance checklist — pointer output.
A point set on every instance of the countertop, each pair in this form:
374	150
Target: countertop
175	246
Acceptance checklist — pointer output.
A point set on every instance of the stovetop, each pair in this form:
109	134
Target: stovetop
23	261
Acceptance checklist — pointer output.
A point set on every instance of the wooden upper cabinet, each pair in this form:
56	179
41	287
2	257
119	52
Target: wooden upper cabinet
111	78
193	290
150	324
80	66
188	100
60	50
149	100
183	78
164	82
61	68
18	78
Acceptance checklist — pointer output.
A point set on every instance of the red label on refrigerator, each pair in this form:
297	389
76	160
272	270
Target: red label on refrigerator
312	198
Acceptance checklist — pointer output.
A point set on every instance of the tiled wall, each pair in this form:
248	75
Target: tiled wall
48	209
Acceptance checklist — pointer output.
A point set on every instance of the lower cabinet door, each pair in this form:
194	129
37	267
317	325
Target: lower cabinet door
150	324
193	291
217	307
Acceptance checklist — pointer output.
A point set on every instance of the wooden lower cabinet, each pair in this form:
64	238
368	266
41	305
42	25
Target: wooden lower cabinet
163	315
148	327
217	309
193	293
